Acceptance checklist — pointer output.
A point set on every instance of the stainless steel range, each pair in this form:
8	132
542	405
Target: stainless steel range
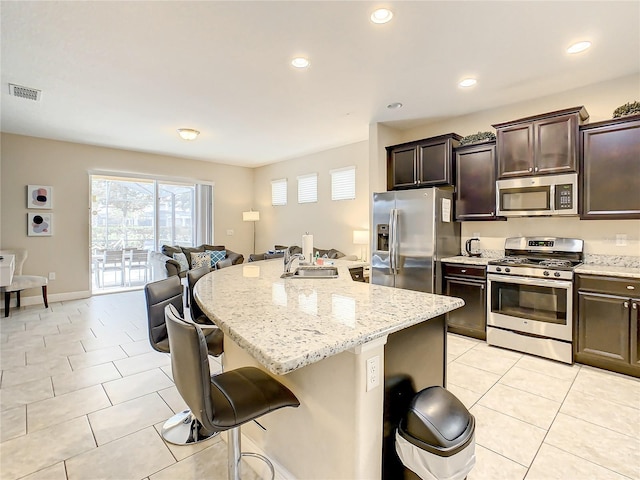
530	296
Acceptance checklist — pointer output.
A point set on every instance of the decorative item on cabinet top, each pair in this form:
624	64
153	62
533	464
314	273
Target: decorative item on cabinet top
477	138
631	108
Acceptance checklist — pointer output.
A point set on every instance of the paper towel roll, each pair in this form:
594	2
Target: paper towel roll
307	248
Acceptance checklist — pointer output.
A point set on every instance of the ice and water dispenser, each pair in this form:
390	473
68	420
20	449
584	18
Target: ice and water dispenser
382	235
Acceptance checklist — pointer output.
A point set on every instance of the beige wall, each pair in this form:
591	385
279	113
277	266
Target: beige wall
330	222
600	100
66	166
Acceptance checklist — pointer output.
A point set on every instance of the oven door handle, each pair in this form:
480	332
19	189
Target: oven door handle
539	282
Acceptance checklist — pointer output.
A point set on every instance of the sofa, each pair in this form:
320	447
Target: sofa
168	261
278	251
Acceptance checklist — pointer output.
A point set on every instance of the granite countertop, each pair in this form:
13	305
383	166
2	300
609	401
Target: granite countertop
613	266
286	324
608	270
468	260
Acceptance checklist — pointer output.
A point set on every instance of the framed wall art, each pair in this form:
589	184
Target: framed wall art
39	224
39	196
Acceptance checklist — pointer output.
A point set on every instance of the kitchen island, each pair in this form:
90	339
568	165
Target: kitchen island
331	341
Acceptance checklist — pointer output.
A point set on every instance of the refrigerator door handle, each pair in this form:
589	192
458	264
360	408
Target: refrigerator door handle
394	241
391	241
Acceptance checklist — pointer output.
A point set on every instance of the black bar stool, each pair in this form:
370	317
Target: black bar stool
224	401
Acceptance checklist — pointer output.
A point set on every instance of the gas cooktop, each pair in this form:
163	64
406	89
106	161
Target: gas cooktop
539	257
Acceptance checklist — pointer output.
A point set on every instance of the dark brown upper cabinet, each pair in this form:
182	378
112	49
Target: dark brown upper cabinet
475	167
539	145
610	169
422	163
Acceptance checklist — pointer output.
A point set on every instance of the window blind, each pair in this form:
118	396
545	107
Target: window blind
308	188
343	183
279	192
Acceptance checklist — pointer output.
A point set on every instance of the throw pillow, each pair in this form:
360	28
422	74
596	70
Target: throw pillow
216	256
200	259
189	250
181	258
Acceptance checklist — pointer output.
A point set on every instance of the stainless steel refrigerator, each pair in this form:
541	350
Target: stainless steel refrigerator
412	231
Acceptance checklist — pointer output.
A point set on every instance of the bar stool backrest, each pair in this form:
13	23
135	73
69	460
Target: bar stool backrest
190	365
158	295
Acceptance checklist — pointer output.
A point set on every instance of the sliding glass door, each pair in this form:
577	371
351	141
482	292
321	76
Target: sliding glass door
132	216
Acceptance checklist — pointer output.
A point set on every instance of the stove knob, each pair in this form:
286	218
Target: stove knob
545	273
507	269
556	274
498	269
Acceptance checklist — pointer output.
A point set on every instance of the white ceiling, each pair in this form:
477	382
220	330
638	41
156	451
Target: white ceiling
128	74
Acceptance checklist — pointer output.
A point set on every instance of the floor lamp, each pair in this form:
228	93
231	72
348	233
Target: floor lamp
252	216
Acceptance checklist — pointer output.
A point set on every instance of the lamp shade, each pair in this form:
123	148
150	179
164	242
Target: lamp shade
251	216
361	237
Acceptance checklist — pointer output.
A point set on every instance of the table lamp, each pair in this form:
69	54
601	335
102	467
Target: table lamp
361	237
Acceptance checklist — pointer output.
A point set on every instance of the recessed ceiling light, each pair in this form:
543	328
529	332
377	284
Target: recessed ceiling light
394	105
381	15
578	47
300	62
468	82
188	133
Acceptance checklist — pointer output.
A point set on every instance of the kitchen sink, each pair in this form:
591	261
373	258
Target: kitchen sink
313	272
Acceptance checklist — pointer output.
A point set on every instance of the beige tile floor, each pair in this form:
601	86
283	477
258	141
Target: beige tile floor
82	396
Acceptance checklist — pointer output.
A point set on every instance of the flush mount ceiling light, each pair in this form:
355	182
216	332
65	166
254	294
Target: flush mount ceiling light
468	82
579	47
188	133
381	15
394	106
300	62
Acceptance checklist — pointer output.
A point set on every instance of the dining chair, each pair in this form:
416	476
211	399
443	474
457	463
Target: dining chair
112	261
136	260
22	282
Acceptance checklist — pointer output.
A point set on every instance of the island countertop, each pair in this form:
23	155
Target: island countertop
286	324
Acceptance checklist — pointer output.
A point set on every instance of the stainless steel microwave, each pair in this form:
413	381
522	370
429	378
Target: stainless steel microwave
538	196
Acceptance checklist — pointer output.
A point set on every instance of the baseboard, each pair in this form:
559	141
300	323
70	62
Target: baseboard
258	465
52	298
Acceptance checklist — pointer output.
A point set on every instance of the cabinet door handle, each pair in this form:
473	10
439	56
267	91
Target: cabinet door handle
535	169
626	304
464	270
630	287
634	305
530	169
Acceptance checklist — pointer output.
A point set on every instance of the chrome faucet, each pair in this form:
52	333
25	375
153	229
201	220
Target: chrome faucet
288	260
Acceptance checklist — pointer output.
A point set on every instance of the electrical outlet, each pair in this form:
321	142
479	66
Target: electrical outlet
230	232
373	372
52	275
621	240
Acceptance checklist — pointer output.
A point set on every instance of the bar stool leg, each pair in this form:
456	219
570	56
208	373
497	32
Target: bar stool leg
233	450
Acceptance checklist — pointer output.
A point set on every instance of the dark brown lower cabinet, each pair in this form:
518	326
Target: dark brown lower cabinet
469	283
608	320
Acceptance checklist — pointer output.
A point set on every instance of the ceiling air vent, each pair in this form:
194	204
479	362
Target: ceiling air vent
25	92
